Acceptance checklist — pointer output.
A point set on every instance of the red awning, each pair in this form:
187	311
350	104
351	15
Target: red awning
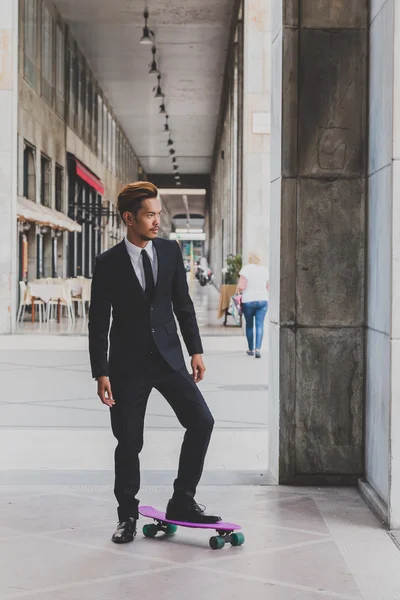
87	176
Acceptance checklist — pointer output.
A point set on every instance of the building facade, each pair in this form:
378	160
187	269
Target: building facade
73	155
238	221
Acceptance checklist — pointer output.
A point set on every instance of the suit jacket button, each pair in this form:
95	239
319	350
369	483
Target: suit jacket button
153	330
151	308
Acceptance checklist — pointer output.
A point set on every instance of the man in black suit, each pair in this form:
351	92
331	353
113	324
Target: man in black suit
143	281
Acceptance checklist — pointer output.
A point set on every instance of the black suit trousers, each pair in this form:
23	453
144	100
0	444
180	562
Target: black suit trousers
127	421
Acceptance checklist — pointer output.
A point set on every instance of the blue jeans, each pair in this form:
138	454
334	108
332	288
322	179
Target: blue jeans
255	311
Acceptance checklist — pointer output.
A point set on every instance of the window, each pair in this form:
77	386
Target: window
71	88
81	100
47	54
109	149
60	70
121	158
113	145
76	87
45	181
124	154
125	163
88	112
135	174
59	188
132	166
105	130
29	173
95	119
117	151
99	127
31	42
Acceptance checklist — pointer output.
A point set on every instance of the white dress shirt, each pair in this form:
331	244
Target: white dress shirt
135	254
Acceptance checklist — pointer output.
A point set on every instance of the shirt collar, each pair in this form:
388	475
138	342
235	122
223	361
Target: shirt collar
135	252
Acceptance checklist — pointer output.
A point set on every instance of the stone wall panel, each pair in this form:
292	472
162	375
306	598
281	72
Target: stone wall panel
332	103
330	252
290	13
329	401
330	14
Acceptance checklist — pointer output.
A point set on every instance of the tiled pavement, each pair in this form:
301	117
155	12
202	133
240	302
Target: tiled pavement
57	515
301	544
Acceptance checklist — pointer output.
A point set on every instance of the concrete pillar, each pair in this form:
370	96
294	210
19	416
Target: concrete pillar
382	422
317	223
8	161
256	126
394	506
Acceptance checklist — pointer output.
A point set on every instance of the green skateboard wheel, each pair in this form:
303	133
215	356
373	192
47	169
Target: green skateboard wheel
237	539
217	542
169	528
150	530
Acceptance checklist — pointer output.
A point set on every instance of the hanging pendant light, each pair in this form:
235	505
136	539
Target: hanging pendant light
158	89
172	151
175	167
153	66
146	37
162	109
178	183
177	176
174	159
166	126
170	142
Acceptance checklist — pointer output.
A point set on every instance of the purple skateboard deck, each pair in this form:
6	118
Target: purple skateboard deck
153	513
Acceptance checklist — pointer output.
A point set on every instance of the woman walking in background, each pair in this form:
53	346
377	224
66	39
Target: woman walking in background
254	285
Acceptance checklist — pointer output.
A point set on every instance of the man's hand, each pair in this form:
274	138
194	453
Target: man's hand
198	368
104	391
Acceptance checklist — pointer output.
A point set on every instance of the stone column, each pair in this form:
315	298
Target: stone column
8	161
317	223
382	420
256	126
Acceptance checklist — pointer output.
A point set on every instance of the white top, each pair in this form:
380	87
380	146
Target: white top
257	277
135	254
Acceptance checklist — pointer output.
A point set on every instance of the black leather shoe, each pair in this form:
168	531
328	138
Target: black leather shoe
125	532
188	512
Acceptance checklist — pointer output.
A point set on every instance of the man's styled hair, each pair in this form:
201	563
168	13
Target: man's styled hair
131	196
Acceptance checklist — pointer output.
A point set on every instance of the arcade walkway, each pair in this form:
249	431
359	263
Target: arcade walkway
57	509
50	406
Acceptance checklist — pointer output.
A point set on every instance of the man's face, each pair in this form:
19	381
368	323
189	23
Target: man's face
147	222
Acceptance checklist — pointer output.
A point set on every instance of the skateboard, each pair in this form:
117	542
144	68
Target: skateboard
226	531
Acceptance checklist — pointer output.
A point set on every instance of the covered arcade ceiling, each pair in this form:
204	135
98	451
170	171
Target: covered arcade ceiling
191	40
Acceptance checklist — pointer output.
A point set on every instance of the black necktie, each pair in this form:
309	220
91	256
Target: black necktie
148	276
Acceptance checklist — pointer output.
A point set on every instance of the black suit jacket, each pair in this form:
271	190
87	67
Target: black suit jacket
136	324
